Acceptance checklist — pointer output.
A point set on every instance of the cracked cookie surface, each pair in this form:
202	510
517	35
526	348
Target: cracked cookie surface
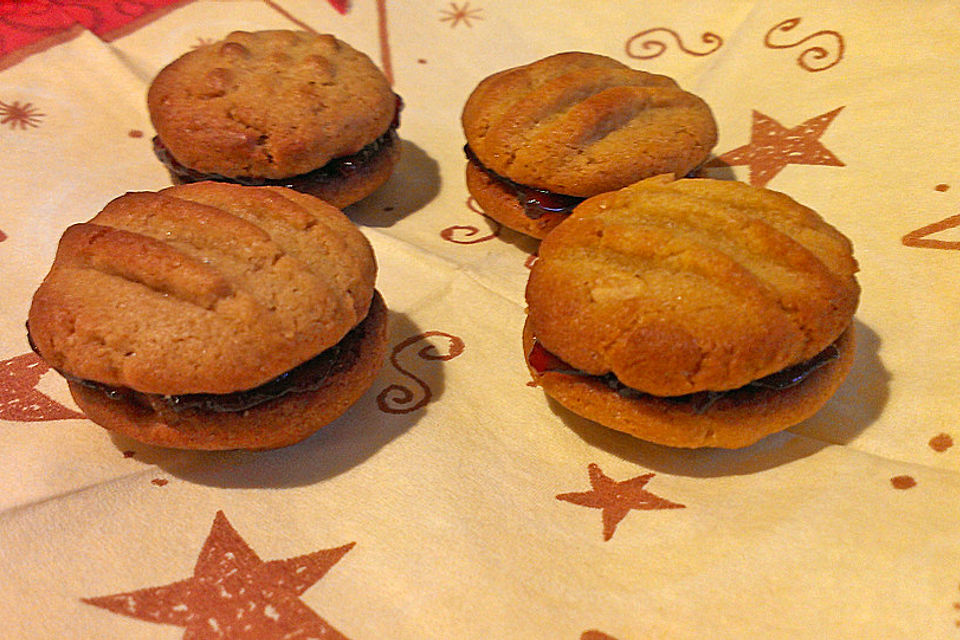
269	104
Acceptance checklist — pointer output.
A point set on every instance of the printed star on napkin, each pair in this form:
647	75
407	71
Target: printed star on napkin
616	499
235	595
772	147
19	399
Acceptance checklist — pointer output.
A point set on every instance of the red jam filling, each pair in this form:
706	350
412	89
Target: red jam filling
535	202
544	361
338	168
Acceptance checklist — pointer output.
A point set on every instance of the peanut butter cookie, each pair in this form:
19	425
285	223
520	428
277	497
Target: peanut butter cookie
285	108
213	316
544	136
692	312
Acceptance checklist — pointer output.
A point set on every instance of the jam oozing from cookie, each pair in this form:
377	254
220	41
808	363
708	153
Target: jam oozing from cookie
543	361
535	202
309	376
336	169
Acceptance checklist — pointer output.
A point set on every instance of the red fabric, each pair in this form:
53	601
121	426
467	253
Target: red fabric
25	23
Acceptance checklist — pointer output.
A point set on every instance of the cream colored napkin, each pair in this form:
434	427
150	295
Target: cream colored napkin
454	500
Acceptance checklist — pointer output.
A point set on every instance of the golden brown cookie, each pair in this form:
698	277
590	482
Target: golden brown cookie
575	125
213	292
288	108
686	298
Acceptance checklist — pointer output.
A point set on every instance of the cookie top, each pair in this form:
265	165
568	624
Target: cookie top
269	104
691	285
201	288
582	124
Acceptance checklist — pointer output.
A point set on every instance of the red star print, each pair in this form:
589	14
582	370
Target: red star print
616	499
772	147
235	595
19	399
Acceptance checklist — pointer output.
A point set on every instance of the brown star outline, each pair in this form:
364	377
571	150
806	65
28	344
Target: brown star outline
235	595
616	499
772	147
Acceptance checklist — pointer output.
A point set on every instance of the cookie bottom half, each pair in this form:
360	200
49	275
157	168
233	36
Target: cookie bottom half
276	423
341	183
499	202
731	420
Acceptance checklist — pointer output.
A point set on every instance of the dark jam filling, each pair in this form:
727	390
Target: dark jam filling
535	202
306	377
338	168
538	202
544	361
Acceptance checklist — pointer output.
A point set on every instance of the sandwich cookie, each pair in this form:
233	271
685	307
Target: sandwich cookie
213	316
692	313
281	108
544	136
